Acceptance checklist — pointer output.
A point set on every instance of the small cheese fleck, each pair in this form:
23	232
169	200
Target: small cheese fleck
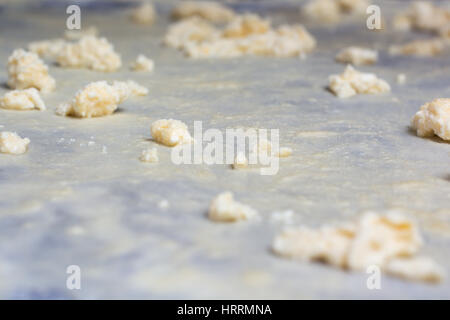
433	118
144	14
188	32
149	155
12	143
89	52
353	82
27	99
420	48
224	208
143	63
284	152
240	161
357	56
207	10
170	132
100	99
27	70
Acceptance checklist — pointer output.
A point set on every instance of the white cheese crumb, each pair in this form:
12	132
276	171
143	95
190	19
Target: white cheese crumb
144	14
383	240
12	143
207	10
143	63
89	52
27	99
357	56
420	48
401	78
188	32
100	99
433	118
224	208
353	82
170	132
149	155
27	70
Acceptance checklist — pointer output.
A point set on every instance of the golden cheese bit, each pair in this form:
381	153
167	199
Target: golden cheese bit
27	70
144	14
420	48
27	99
12	143
433	118
170	132
224	208
353	82
149	155
143	63
246	25
240	161
207	10
284	152
357	56
188	32
416	269
89	52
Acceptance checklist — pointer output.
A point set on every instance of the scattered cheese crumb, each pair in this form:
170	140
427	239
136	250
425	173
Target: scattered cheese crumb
433	118
382	240
26	70
333	11
401	78
224	208
11	142
143	63
240	161
149	155
144	14
357	56
189	32
27	99
353	82
421	48
207	10
89	52
170	132
284	152
100	99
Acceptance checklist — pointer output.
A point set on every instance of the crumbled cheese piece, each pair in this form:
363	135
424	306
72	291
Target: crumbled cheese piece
333	11
27	99
143	63
99	99
78	34
224	208
401	78
417	269
90	52
144	14
244	35
421	48
353	82
433	118
357	56
425	16
389	241
170	132
149	155
11	142
26	70
284	152
47	48
207	10
240	161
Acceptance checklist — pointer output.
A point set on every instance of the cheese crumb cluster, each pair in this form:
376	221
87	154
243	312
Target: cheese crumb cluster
433	118
12	143
89	52
27	99
353	82
357	56
423	16
27	70
248	34
144	14
208	10
100	99
224	208
389	241
149	155
421	48
143	63
333	11
170	132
